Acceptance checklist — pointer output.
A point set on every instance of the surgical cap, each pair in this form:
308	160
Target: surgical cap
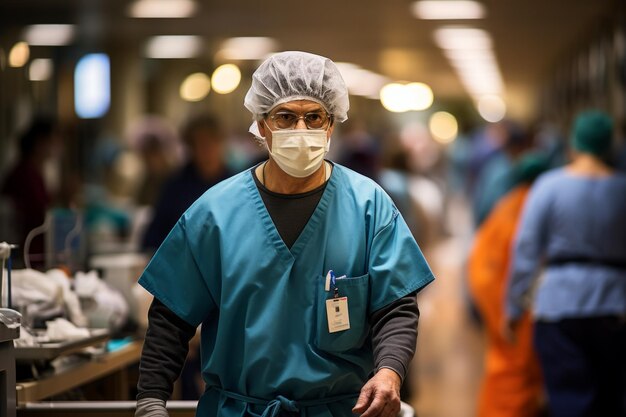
593	133
294	75
529	167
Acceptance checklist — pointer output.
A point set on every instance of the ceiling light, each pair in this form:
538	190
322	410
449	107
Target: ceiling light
195	87
162	8
18	57
420	96
491	108
448	9
226	78
246	48
443	127
400	98
40	69
462	38
361	82
394	99
49	35
176	46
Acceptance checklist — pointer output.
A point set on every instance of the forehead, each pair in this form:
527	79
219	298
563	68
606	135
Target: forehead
298	106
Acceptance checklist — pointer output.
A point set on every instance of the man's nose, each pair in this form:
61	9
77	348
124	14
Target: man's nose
300	124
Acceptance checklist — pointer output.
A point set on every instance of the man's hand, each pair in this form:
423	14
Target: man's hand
380	397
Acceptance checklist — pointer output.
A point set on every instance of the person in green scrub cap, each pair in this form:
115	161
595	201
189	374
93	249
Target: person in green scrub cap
302	273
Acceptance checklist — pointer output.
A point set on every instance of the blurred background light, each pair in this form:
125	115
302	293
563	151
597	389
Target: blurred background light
361	82
173	47
443	126
195	87
491	108
399	98
394	98
420	96
92	86
246	48
460	37
225	78
448	9
49	35
40	69
18	57
162	8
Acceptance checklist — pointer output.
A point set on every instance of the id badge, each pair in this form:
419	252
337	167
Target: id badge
337	314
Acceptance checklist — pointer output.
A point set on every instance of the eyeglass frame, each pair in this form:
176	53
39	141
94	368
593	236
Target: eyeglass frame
271	117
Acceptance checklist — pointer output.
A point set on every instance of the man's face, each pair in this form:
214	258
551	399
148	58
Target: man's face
297	107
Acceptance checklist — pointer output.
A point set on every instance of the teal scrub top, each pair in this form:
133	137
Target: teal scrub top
262	306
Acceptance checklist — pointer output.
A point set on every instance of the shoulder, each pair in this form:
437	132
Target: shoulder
223	197
551	179
363	192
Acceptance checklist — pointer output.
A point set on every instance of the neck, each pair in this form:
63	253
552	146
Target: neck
276	180
586	164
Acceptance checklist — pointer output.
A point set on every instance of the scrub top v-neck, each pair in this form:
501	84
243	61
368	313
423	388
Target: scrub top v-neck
265	334
289	212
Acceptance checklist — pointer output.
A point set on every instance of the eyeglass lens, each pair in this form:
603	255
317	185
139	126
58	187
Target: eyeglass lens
288	120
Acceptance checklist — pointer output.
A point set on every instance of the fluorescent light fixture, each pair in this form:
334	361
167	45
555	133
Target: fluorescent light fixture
40	69
49	35
361	82
443	127
462	38
448	9
226	78
195	87
162	8
491	108
18	57
173	47
92	86
246	48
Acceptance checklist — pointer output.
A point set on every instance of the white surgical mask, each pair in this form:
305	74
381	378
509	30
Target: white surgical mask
299	152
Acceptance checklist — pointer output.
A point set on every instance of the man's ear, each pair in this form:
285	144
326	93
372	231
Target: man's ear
261	127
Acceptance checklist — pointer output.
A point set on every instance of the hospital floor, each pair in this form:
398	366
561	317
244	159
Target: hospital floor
447	367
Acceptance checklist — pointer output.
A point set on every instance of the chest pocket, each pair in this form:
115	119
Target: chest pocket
357	291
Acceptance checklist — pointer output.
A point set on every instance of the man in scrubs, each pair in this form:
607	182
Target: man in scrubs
302	273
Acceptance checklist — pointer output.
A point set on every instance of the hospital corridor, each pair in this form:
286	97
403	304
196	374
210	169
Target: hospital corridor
399	208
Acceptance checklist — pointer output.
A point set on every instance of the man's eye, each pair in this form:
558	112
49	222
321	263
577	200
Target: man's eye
314	117
285	117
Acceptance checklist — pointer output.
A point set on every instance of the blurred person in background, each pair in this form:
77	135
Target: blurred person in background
253	261
574	226
206	166
158	146
26	184
494	180
205	142
511	385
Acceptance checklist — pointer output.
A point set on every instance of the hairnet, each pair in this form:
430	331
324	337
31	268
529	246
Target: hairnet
294	75
593	133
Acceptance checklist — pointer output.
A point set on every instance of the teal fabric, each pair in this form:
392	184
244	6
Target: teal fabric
593	133
262	306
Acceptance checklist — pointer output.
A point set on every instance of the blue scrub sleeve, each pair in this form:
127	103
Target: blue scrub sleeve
396	264
528	250
175	278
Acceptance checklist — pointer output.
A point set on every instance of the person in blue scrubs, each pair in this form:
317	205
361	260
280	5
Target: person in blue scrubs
573	226
302	273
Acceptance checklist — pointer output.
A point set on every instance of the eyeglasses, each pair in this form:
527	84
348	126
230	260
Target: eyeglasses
315	120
